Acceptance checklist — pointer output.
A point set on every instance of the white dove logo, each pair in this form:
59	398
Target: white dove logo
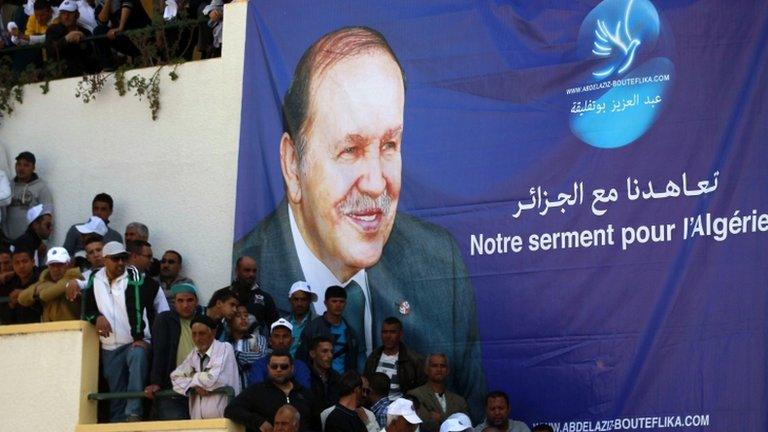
606	41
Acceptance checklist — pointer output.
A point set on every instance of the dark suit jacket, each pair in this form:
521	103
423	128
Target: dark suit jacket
420	264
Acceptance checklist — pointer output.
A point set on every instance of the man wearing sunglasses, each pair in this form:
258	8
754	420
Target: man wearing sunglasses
255	408
119	302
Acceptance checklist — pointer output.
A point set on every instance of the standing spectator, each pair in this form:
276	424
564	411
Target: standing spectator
347	415
333	325
379	395
221	307
141	257
25	274
139	231
403	366
40	220
211	365
7	13
280	339
120	307
171	343
324	381
256	407
94	246
101	207
28	191
300	297
402	417
50	288
65	42
136	231
170	272
497	412
6	265
249	346
114	17
436	402
260	304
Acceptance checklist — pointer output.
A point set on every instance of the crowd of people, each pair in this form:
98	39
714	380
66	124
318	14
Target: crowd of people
236	355
63	29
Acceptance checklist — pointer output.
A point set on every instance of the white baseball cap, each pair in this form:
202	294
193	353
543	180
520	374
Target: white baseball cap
302	286
57	255
94	225
113	248
282	322
404	407
68	6
462	419
37	211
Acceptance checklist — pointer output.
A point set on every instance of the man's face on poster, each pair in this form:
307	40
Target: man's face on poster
345	190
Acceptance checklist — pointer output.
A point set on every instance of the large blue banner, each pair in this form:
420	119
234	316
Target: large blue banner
568	197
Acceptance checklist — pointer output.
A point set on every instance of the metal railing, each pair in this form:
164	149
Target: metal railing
162	394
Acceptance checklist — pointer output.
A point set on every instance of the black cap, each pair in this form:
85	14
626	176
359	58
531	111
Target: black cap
335	291
28	156
205	320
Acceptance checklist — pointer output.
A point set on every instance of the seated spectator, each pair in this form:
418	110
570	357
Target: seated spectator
249	346
497	412
287	419
101	208
543	427
402	417
458	422
347	415
280	339
40	225
260	304
28	191
436	402
171	343
51	286
221	307
115	17
170	272
211	365
121	307
333	325
210	31
24	274
380	385
256	407
65	42
301	298
324	380
403	366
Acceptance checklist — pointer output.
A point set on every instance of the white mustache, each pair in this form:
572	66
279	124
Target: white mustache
357	203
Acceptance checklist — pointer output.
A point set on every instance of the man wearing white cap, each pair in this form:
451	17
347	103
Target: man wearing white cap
65	42
101	208
39	228
401	417
51	287
458	422
280	339
120	304
301	297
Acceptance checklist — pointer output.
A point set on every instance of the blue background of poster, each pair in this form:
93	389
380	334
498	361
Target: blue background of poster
669	328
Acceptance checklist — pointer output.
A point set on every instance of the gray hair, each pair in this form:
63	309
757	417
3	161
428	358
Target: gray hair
140	228
437	354
292	411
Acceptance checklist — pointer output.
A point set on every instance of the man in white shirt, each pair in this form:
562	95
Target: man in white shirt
209	366
118	303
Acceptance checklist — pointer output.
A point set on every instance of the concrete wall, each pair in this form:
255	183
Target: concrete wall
177	174
48	371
